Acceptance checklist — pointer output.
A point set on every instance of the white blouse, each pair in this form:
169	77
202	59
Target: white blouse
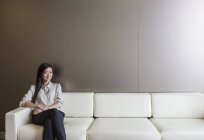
48	95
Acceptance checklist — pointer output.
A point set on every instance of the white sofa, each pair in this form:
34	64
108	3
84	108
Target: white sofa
120	116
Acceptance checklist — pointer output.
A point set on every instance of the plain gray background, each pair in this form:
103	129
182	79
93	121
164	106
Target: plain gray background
101	46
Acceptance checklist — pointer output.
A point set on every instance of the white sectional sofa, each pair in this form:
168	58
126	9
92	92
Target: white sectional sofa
120	116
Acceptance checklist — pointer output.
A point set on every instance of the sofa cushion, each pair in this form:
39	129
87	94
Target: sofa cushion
78	104
122	105
178	105
122	129
180	129
75	129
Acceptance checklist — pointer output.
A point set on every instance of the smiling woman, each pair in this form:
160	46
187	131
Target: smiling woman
45	98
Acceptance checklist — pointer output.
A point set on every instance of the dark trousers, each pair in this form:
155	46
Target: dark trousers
52	120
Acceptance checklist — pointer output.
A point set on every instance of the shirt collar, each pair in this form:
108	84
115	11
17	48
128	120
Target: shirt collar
48	86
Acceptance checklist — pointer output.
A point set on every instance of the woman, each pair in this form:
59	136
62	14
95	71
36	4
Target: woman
45	98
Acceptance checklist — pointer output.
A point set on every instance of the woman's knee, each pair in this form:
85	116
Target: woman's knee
48	122
56	113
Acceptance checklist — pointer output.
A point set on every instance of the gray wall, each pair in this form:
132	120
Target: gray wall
171	56
102	46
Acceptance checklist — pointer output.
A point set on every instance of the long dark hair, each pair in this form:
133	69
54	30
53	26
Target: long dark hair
39	79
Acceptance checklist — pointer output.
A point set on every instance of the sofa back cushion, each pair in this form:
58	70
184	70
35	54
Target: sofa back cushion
178	105
78	104
122	105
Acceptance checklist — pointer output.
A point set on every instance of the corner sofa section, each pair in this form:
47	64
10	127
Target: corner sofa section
178	116
78	109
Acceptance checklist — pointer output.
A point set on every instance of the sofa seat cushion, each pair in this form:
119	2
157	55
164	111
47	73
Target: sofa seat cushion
75	129
122	129
180	129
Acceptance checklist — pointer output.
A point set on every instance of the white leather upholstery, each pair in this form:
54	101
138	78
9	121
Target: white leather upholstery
78	104
178	105
122	116
180	129
75	129
14	120
122	129
122	105
30	132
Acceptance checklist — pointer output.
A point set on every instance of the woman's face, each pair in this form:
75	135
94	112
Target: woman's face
47	75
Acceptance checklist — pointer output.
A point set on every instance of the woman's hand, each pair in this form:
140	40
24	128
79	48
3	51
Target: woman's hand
42	107
34	106
37	107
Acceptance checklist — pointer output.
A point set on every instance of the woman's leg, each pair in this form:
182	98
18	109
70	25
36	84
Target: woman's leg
57	118
43	118
48	131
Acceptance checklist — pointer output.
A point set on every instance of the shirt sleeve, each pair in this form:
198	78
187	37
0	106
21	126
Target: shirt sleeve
28	97
59	97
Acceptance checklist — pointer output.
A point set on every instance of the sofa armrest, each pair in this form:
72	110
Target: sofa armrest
15	119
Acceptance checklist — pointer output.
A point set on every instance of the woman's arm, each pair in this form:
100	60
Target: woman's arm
59	98
34	106
55	105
